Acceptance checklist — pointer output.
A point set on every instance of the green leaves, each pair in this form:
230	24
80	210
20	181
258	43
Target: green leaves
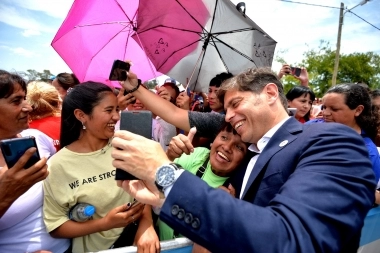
354	67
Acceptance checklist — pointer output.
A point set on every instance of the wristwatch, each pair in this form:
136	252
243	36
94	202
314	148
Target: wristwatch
166	176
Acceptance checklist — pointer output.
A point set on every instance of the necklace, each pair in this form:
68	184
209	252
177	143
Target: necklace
106	147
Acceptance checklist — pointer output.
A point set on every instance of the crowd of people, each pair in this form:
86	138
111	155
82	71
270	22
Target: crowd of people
230	170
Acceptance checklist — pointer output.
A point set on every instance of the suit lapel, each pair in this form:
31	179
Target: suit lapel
283	136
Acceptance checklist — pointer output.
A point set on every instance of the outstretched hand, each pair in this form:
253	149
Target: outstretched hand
164	93
183	101
140	157
304	77
285	70
17	180
181	144
142	192
131	81
137	155
124	100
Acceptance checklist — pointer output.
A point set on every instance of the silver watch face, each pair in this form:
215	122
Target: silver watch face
165	176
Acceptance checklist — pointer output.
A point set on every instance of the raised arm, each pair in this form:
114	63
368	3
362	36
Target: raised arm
160	107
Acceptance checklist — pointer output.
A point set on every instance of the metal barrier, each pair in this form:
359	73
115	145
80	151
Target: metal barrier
369	241
370	238
178	245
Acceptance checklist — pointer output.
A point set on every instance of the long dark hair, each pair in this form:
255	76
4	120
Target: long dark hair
298	91
356	95
84	97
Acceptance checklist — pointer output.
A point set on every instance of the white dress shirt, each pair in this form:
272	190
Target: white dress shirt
258	148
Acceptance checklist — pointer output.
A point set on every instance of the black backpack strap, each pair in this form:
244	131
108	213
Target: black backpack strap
202	169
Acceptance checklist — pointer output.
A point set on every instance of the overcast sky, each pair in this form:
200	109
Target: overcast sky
27	28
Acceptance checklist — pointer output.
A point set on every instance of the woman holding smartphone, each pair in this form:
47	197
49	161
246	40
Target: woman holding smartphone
21	225
301	98
82	172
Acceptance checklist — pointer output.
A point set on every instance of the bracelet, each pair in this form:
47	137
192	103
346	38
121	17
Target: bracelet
133	90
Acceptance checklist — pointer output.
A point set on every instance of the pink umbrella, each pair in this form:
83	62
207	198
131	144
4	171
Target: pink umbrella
192	49
95	33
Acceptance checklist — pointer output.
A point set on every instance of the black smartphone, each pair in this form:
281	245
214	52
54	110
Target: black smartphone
295	71
137	122
118	70
13	149
134	203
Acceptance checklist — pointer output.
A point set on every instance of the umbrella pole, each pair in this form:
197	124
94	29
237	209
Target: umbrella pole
150	63
195	67
199	58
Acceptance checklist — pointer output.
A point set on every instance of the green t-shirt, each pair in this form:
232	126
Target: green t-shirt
192	163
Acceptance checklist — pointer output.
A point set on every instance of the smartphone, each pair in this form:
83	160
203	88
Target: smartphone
134	203
292	111
13	149
188	92
119	70
137	122
295	71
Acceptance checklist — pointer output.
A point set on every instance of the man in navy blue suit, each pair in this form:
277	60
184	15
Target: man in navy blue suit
302	188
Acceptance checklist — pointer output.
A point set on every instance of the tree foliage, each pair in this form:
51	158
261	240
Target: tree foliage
354	67
33	75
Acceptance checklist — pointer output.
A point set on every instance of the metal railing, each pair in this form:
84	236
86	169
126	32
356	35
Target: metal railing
178	245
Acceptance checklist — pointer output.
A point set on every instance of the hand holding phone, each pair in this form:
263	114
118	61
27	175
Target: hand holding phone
134	203
137	122
126	92
119	70
295	71
16	180
13	149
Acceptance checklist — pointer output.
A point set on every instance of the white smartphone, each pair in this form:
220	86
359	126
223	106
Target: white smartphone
292	111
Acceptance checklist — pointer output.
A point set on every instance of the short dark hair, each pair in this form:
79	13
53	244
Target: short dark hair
67	80
254	80
84	97
374	93
226	126
355	95
298	91
8	81
219	79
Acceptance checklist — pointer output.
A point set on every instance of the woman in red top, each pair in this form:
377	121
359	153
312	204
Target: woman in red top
301	98
46	114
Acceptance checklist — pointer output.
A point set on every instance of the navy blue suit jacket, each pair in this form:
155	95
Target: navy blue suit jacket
310	195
